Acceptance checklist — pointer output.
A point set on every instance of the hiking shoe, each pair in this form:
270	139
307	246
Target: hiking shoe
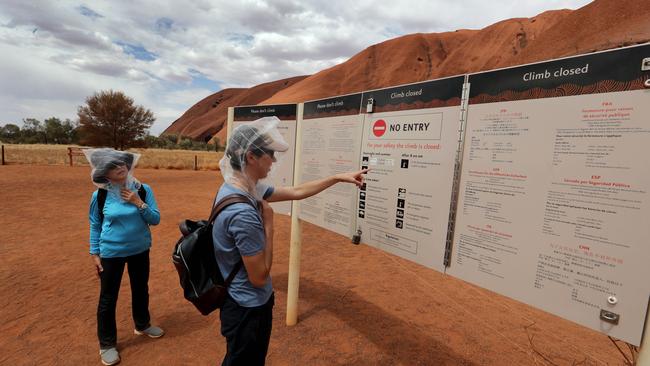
109	356
152	332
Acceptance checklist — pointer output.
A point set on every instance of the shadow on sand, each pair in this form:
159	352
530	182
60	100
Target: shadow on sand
404	341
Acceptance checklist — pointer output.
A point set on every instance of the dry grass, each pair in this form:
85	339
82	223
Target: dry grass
38	154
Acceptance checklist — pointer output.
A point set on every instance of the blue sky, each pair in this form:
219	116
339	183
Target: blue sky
168	55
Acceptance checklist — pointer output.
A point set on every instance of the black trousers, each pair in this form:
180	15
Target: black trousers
111	277
247	332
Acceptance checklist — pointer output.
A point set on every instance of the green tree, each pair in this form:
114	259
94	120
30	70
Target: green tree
186	144
33	132
110	118
170	141
57	132
10	133
70	129
152	141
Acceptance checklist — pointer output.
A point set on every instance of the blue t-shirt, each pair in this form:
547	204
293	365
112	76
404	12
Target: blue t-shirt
239	231
125	229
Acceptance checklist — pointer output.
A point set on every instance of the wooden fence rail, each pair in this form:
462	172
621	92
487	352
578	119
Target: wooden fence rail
74	151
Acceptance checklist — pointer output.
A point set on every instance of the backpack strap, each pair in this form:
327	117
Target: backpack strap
216	209
227	201
142	193
232	274
101	199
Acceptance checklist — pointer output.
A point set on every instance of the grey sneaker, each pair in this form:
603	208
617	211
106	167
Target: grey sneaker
152	332
109	356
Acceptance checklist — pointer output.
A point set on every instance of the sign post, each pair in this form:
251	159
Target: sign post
231	117
295	244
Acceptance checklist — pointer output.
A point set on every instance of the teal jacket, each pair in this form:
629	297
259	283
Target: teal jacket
125	229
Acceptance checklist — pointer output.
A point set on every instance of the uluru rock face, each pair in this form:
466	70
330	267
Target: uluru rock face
207	117
600	25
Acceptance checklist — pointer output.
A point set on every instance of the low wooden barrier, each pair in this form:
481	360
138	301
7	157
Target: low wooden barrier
74	151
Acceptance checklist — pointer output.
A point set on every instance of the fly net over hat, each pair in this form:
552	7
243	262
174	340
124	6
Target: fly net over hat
104	160
260	137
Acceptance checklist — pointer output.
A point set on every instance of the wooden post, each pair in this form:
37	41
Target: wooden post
644	350
295	244
293	285
196	163
70	155
3	154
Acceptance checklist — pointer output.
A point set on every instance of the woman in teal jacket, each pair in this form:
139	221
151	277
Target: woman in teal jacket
119	235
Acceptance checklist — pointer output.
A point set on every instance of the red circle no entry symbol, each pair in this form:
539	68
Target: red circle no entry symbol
379	128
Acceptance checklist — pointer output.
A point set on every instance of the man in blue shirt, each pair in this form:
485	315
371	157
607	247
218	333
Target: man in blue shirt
244	232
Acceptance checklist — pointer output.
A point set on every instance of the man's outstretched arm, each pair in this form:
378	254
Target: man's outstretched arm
313	187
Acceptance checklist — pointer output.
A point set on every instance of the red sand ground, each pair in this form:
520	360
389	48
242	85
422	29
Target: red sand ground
358	305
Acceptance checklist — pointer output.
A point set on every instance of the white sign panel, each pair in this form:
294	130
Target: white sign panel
409	145
331	138
554	204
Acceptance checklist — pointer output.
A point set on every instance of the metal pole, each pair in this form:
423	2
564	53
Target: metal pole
295	245
3	154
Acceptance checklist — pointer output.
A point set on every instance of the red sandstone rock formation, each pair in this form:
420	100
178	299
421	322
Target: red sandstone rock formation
600	25
207	117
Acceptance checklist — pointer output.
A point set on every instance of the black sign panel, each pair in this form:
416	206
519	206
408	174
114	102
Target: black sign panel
604	72
284	112
428	94
336	106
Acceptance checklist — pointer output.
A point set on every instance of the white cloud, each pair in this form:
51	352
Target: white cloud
55	54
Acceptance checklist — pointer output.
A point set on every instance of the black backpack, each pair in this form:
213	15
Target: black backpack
101	199
194	259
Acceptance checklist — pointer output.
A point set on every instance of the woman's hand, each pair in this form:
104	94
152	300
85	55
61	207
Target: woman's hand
98	264
130	197
352	177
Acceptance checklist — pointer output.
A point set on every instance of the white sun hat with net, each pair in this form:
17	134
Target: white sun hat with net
260	137
104	160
